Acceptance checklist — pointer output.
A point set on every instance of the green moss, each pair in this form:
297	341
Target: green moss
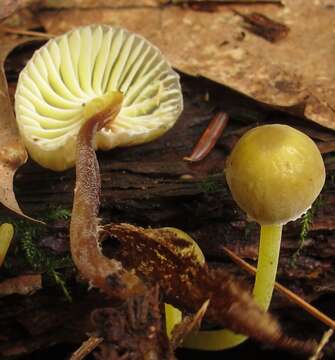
58	213
28	255
210	185
306	223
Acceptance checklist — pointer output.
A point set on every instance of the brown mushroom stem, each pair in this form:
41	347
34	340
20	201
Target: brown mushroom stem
101	272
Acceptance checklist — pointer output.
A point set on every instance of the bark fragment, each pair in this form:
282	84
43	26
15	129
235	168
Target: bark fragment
22	285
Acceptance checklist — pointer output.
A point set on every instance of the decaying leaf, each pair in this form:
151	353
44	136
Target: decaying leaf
12	151
23	285
295	73
97	3
8	7
134	330
186	284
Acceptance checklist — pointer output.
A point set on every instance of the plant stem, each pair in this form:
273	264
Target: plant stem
268	255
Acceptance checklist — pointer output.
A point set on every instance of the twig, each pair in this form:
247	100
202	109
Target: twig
282	289
209	137
325	339
26	32
86	348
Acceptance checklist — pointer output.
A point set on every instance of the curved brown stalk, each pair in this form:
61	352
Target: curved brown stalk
101	272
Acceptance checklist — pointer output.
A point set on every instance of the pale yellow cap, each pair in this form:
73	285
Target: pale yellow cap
275	172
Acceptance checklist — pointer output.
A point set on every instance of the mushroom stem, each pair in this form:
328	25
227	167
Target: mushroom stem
268	255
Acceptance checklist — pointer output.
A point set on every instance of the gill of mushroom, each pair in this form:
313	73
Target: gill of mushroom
274	172
87	63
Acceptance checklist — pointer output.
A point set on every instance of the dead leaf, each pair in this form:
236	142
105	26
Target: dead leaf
22	285
295	74
8	7
156	256
12	151
96	3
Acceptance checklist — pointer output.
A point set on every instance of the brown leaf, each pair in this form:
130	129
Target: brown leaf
96	3
293	74
9	7
158	257
12	151
23	285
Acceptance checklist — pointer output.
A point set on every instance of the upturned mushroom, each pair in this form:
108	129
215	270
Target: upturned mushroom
275	173
94	87
86	64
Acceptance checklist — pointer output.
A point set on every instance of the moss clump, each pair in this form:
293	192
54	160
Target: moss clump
27	254
211	185
306	223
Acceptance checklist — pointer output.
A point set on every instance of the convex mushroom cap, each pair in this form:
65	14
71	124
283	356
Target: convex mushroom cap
88	63
275	172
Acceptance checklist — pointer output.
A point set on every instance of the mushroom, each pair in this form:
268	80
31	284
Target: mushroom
83	65
275	173
6	236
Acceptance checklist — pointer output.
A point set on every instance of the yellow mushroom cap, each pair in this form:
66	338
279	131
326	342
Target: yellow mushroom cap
275	172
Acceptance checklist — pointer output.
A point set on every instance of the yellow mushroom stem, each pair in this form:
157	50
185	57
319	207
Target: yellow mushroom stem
6	236
269	249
